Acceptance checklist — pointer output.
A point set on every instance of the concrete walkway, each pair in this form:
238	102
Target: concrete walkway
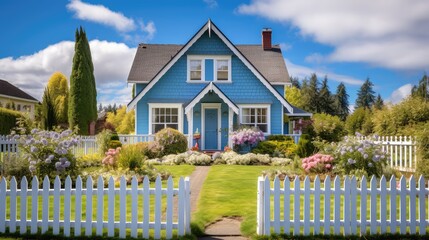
227	228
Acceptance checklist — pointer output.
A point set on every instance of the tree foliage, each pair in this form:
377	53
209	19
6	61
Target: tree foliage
82	99
359	121
59	93
328	127
421	90
326	101
341	102
378	103
365	96
49	118
293	96
122	121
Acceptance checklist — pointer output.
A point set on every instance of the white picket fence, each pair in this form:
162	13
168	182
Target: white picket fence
95	197
402	151
295	208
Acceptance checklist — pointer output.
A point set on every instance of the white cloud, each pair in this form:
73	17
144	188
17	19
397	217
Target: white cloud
112	62
305	72
315	58
211	3
400	93
384	33
130	29
101	14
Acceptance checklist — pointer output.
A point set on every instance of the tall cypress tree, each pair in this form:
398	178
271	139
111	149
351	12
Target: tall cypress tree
341	102
421	90
365	96
82	98
49	118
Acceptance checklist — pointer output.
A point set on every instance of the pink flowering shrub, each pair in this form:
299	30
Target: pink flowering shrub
247	136
111	157
318	163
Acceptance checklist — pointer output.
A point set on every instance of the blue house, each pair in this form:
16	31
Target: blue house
212	85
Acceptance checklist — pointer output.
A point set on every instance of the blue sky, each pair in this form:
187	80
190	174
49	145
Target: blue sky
346	40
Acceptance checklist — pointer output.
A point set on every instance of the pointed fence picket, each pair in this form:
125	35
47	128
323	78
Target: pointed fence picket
378	197
60	200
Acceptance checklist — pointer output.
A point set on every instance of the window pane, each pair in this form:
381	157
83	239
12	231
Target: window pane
222	65
263	119
246	119
252	119
195	75
167	111
222	75
262	127
174	126
162	111
195	65
157	127
246	111
174	119
174	111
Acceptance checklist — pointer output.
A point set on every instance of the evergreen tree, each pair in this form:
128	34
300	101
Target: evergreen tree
100	107
421	90
341	102
326	102
313	94
82	99
295	82
378	103
305	95
49	119
59	93
365	96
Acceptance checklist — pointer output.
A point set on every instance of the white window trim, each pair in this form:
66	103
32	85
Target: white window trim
215	58
267	106
166	105
188	69
205	106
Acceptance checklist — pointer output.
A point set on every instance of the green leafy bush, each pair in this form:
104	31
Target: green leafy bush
279	138
17	166
114	136
359	121
422	167
89	160
357	157
170	141
305	147
115	144
283	148
103	140
8	119
328	127
131	157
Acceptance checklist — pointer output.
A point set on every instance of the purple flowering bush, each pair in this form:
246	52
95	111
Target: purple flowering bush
318	163
247	137
360	157
49	152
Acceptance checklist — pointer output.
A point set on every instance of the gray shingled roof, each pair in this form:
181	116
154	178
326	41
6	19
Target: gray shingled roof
8	89
151	58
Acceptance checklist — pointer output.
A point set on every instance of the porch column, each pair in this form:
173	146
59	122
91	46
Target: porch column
230	126
189	117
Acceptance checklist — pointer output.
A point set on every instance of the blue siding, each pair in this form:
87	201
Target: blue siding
280	89
209	70
245	88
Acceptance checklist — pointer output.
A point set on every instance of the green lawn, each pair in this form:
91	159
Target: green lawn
229	190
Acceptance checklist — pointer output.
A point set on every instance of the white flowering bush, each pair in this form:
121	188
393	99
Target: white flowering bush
277	161
360	157
49	152
189	157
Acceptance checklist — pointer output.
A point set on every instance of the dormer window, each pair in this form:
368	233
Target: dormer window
195	70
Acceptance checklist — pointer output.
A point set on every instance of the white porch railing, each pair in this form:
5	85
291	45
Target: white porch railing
127	208
349	210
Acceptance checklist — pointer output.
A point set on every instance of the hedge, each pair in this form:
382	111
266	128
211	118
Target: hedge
8	120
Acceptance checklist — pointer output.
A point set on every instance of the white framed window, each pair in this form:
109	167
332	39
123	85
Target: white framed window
223	69
196	69
165	115
218	70
256	115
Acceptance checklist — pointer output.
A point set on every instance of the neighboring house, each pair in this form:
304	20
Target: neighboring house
211	85
23	102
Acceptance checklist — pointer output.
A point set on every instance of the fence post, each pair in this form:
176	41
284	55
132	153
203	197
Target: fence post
188	206
260	207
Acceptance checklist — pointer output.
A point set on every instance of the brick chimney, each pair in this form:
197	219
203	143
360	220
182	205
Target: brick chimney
266	38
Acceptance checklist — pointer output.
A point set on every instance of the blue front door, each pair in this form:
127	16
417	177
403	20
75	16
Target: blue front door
210	131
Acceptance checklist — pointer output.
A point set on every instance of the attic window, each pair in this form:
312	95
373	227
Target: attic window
195	70
222	70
